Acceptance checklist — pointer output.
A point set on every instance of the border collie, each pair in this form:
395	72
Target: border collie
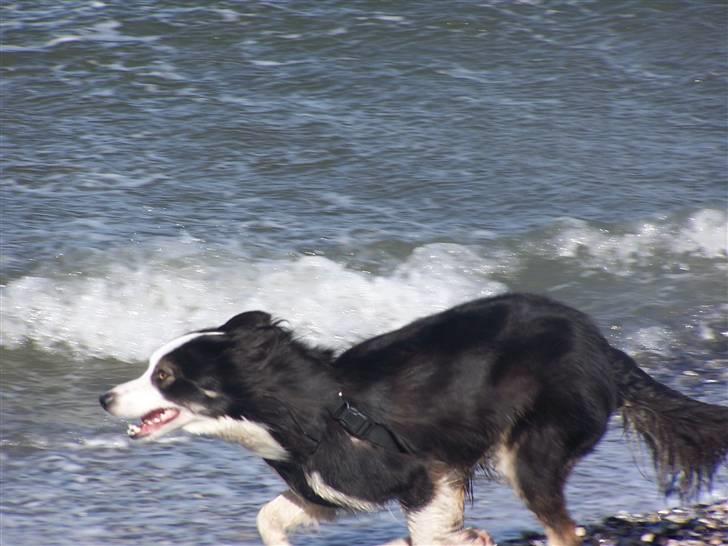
516	385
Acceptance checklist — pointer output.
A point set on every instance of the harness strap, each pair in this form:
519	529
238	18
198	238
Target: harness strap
360	425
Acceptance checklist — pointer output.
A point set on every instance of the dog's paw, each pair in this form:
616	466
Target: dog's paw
466	537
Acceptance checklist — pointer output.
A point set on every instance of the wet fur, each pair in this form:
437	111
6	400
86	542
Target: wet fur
517	383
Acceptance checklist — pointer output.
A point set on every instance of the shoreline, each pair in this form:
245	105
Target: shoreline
698	525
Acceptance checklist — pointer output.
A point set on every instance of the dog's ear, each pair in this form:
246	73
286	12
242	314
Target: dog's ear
248	320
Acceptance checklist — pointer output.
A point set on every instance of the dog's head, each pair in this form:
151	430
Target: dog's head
195	381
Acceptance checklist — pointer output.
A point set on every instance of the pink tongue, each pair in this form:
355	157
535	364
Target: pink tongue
147	429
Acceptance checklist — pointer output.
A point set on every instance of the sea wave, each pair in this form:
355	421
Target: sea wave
703	234
125	302
124	310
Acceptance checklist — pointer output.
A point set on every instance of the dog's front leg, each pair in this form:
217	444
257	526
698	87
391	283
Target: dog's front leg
281	516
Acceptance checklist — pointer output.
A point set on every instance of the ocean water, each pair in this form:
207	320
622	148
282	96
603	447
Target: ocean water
347	166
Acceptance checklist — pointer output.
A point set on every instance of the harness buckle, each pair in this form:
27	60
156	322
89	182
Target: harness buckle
353	421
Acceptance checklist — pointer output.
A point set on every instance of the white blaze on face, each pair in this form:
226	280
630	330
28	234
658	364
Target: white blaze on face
138	397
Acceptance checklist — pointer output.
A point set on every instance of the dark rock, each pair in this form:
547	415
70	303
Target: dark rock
699	525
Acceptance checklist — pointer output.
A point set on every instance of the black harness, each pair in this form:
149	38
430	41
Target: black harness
360	425
357	424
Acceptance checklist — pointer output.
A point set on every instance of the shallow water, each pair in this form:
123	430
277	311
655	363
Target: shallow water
348	167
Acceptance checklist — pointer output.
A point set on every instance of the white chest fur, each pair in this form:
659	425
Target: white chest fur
252	436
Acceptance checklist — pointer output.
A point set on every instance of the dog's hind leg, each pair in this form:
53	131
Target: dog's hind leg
286	513
440	521
539	480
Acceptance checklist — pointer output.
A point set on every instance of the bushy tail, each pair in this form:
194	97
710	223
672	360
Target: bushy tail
688	439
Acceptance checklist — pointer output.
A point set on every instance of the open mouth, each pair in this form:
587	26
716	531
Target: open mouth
152	422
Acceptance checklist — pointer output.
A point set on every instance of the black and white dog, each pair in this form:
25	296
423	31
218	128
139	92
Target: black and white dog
516	384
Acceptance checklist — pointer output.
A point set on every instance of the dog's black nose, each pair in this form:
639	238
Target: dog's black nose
107	399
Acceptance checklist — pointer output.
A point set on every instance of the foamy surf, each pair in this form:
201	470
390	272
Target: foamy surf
124	311
704	234
124	302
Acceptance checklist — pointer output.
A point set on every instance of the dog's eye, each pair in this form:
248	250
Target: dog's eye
163	375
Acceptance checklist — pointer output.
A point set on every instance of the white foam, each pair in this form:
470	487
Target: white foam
115	441
141	298
705	235
655	339
127	301
101	442
264	62
390	18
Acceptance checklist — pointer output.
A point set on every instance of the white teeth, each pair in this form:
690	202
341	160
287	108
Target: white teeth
158	419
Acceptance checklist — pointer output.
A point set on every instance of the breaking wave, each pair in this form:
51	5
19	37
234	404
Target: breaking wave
125	302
